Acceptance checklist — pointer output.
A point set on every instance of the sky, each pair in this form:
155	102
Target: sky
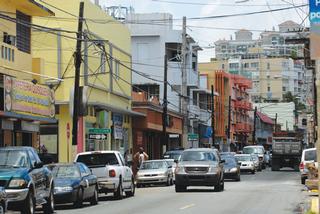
207	35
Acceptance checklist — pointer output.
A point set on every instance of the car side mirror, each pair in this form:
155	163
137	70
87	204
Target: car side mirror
38	165
222	161
169	167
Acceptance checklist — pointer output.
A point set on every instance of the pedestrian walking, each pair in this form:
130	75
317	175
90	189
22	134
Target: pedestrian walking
140	157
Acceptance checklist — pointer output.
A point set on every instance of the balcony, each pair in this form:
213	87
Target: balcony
245	105
205	117
243	127
142	97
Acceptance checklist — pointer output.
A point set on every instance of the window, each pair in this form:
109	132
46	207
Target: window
268	65
103	62
2	51
12	55
233	65
269	89
254	64
23	31
246	65
284	89
222	66
117	69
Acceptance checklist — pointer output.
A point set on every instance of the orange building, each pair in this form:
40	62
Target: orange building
147	129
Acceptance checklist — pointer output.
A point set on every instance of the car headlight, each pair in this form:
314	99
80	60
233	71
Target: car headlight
63	189
233	170
212	169
17	183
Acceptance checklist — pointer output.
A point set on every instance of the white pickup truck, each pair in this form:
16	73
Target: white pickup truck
112	173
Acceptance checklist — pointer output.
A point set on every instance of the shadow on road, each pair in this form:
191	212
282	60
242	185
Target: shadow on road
70	206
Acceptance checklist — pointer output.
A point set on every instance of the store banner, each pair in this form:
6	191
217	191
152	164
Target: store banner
118	132
314	17
24	97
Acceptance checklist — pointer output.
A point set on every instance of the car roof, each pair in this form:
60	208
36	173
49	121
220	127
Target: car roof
243	155
253	146
64	164
98	152
158	160
202	150
168	159
310	149
17	148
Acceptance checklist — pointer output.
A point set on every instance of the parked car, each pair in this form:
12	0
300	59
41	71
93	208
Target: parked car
231	168
173	154
3	200
74	183
308	156
173	165
246	163
257	163
259	150
112	173
26	181
199	167
154	172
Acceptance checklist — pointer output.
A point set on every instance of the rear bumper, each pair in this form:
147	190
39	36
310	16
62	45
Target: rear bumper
108	185
197	179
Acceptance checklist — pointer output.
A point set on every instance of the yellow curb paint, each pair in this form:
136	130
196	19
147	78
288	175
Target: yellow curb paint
314	205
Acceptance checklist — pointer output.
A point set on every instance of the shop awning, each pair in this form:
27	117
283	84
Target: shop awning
116	109
29	117
265	118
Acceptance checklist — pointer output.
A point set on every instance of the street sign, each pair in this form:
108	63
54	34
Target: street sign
193	137
98	136
99	131
314	11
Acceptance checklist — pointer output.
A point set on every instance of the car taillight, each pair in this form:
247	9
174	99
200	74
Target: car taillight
112	173
301	166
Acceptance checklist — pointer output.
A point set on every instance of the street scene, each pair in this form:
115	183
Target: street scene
159	106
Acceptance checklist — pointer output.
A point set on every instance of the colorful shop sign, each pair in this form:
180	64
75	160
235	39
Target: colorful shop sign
24	97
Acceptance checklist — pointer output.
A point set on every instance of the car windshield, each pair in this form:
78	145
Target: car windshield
172	155
14	158
153	165
254	150
310	155
98	160
197	156
244	158
66	172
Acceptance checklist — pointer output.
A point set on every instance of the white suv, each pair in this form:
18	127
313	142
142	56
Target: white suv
308	156
112	173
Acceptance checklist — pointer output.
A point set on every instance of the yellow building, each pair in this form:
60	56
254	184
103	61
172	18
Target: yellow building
24	104
105	75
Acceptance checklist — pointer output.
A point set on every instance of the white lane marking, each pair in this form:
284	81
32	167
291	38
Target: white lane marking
187	206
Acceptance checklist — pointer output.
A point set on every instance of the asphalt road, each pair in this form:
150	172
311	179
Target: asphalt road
263	193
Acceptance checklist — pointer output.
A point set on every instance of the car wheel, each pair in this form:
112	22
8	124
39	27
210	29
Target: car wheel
238	177
119	193
29	206
171	182
132	189
180	188
95	198
79	201
168	181
253	171
48	207
303	180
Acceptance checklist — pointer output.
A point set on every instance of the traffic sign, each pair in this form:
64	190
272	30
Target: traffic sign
98	136
193	137
99	131
314	6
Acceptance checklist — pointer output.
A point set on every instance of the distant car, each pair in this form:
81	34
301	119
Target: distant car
154	172
199	167
231	168
3	200
173	154
308	156
247	163
257	163
227	154
27	182
173	165
74	183
114	176
259	150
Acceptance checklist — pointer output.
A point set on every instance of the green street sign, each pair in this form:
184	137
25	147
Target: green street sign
99	131
193	137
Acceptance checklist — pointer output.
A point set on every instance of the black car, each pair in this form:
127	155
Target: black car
74	183
26	181
231	168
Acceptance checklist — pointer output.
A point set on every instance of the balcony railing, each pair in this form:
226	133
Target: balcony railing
243	127
243	105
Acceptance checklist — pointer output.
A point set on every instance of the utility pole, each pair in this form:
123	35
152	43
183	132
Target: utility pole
229	124
165	103
184	94
76	98
254	126
275	123
212	116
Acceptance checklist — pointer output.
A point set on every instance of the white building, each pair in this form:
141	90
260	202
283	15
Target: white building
284	111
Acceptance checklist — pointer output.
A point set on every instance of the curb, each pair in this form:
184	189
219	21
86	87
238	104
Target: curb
315	205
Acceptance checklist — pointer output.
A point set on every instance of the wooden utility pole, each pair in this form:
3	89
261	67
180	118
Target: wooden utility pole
184	94
165	103
229	123
275	123
76	98
254	126
212	116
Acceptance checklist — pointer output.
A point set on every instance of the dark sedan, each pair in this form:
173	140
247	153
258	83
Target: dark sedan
231	168
74	183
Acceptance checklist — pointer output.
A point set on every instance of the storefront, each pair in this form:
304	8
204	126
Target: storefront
26	107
